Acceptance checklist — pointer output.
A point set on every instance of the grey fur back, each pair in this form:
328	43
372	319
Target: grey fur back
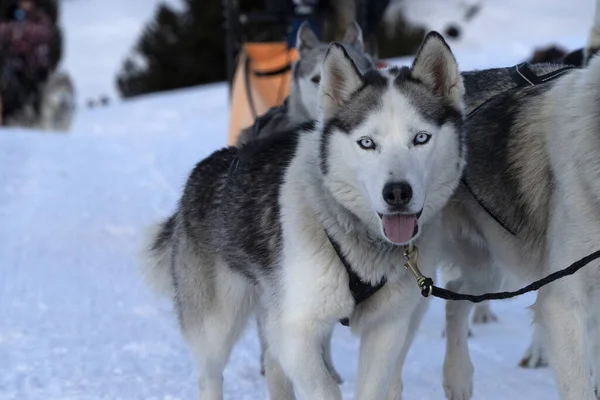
508	169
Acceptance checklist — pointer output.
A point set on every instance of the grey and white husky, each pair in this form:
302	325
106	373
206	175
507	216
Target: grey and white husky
528	206
279	226
302	102
57	106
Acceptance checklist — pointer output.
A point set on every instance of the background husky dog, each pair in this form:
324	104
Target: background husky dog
57	106
58	103
256	227
533	155
302	102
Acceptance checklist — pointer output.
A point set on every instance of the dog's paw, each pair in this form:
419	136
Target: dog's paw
483	314
458	380
535	356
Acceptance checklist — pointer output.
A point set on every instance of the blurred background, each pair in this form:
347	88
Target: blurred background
106	107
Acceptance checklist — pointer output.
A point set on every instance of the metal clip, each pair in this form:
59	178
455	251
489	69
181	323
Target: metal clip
411	255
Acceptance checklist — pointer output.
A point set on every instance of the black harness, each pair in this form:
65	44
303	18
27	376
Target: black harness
360	290
523	76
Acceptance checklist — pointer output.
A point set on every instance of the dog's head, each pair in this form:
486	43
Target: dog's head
304	88
392	149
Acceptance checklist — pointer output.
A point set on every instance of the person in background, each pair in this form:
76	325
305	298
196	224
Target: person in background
24	56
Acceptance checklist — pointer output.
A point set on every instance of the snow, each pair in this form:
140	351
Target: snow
76	322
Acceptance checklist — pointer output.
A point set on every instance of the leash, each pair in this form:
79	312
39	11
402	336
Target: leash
427	287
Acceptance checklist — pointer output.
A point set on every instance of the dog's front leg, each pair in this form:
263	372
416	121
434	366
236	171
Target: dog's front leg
395	388
458	368
298	345
380	349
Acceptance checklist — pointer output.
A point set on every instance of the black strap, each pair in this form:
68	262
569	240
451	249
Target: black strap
273	72
487	210
248	88
260	122
360	290
523	76
430	289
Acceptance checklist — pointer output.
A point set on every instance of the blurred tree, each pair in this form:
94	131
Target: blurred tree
177	49
185	48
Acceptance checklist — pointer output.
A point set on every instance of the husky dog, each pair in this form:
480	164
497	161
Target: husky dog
58	103
57	106
528	206
302	103
281	225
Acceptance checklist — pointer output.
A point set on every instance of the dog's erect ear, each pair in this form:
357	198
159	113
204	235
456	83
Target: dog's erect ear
436	67
354	37
339	79
306	40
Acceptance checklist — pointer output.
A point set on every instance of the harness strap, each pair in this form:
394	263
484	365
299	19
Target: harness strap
523	76
360	290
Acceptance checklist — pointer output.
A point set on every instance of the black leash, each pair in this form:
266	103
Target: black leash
429	289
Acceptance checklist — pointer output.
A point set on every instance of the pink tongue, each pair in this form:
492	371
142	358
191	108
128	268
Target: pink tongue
399	229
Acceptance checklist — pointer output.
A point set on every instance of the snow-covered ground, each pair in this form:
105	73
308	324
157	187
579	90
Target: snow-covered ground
76	322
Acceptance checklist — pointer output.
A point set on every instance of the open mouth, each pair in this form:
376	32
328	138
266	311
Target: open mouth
400	228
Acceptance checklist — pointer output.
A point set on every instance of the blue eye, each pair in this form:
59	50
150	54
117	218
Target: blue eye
366	143
421	138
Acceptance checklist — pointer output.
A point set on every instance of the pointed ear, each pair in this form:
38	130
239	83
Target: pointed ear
306	40
354	37
436	67
339	79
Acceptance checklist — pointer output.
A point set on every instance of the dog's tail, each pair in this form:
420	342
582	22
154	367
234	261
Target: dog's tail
593	43
156	257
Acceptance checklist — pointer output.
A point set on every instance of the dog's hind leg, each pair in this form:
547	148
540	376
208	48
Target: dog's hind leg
214	304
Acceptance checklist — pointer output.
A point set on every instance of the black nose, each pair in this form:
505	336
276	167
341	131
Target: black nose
397	194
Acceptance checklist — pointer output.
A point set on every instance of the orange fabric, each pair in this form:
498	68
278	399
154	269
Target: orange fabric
266	91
